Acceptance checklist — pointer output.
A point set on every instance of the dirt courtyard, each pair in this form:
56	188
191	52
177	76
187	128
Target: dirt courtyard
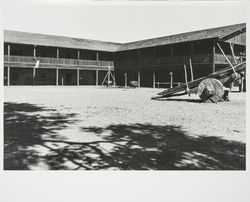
95	128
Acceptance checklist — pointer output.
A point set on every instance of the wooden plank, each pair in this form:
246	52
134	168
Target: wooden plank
226	57
232	51
77	77
57	73
8	76
191	69
96	78
139	79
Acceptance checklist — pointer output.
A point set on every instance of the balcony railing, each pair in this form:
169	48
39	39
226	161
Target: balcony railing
206	58
56	61
219	58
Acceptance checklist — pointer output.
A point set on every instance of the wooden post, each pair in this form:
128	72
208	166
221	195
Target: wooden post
226	58
108	76
9	52
78	54
153	78
213	57
57	76
34	51
191	69
97	56
186	80
77	77
232	50
171	79
139	79
96	78
8	76
57	53
34	76
125	75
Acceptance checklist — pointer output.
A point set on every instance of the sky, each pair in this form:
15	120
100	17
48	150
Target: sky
120	22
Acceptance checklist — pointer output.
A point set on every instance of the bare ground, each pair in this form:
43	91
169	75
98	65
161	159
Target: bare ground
120	129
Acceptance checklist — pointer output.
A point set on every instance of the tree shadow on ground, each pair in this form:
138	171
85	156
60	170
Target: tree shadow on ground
24	127
121	146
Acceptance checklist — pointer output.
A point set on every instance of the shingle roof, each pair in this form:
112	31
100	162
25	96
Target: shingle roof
68	42
58	41
218	32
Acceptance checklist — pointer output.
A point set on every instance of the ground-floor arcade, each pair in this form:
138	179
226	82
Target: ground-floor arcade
163	77
52	76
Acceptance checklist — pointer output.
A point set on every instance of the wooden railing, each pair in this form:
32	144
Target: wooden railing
59	61
219	58
205	58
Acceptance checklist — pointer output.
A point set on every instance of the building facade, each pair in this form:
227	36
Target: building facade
152	62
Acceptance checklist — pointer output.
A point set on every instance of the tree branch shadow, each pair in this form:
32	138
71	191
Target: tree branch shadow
121	146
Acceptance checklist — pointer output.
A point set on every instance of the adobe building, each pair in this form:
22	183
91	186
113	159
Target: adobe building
73	61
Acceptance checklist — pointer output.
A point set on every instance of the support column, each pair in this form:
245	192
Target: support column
96	77
78	56
57	55
171	79
139	79
57	76
9	52
34	51
153	78
126	81
8	76
97	56
213	57
34	76
77	77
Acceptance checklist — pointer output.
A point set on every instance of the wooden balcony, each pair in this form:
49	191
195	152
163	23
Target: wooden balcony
56	61
165	61
220	59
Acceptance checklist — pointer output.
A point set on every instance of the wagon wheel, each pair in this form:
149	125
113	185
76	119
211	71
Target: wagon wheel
210	90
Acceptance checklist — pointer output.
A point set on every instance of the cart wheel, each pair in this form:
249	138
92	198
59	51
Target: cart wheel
210	90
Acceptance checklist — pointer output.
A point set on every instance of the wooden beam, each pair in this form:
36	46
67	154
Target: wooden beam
96	78
186	80
34	51
171	79
78	54
191	69
153	78
8	76
139	79
126	82
226	57
9	52
232	51
77	77
97	56
213	57
57	53
57	73
34	76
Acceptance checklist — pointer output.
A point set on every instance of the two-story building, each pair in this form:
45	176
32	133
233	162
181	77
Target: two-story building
72	61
